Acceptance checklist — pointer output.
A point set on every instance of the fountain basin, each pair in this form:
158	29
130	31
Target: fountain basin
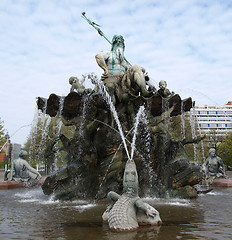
11	185
222	182
4	185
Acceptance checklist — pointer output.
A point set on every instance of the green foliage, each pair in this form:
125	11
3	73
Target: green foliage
39	142
2	133
181	128
224	150
2	164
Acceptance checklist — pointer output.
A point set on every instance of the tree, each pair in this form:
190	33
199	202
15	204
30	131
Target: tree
2	133
224	150
41	137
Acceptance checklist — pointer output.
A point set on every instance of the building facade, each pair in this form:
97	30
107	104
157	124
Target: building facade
214	120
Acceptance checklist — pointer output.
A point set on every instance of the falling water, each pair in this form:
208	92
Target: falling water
58	115
151	173
45	130
182	121
81	127
147	152
112	160
165	105
193	131
33	133
45	122
58	129
137	120
165	108
199	130
45	133
108	99
141	117
44	111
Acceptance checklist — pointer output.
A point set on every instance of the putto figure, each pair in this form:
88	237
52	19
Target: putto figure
163	90
76	85
128	211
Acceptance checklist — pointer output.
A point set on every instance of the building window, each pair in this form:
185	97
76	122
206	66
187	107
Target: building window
199	124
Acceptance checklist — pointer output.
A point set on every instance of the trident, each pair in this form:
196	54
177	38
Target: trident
96	26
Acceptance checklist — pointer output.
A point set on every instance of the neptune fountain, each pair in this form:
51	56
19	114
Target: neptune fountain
121	141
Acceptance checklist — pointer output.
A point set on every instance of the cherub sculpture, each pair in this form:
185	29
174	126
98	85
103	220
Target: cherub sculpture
163	90
76	84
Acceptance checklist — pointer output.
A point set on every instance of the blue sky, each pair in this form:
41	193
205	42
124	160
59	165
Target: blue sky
44	42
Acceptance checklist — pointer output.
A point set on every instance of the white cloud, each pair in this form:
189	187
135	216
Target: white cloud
43	43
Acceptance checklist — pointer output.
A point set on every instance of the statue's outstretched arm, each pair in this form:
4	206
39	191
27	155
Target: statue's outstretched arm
221	164
194	140
83	79
31	169
112	197
149	211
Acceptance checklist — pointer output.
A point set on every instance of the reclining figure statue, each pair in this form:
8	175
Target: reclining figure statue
24	172
128	211
214	166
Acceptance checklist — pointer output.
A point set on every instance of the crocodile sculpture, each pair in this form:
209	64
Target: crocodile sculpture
127	211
